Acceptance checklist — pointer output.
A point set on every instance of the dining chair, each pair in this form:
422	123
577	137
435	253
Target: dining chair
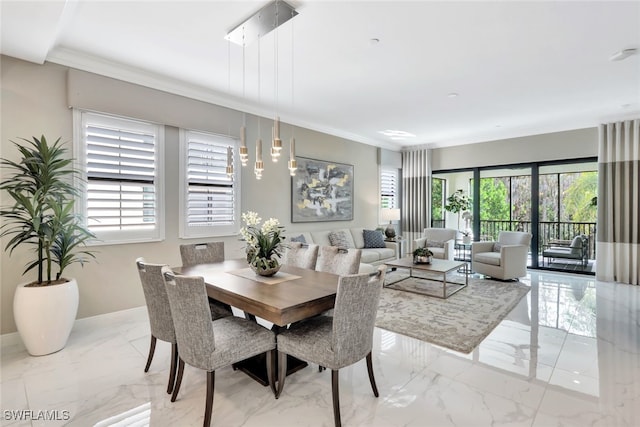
202	253
212	344
333	259
206	253
340	340
301	255
160	319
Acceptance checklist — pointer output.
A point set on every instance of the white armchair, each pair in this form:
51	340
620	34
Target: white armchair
505	259
440	241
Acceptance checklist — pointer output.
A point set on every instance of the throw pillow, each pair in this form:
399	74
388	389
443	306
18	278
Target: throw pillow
434	244
299	239
339	239
496	247
373	239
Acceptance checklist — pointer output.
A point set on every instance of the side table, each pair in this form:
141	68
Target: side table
463	253
399	240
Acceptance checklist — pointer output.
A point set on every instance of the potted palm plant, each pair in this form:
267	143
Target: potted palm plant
42	218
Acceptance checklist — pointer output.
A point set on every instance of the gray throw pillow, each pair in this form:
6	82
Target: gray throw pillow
434	244
299	239
373	239
339	239
496	247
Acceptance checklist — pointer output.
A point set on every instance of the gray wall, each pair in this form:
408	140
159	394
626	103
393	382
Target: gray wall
550	146
35	100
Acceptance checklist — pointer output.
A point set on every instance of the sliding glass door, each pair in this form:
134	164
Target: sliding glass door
555	202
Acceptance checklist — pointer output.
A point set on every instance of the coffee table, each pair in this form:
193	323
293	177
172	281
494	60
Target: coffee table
436	266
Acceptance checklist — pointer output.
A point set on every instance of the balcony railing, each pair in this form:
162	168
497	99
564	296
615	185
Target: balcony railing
549	231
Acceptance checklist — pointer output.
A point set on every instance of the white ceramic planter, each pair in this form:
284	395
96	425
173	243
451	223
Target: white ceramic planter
44	315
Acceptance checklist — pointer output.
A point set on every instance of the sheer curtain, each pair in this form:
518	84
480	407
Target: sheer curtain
618	235
415	194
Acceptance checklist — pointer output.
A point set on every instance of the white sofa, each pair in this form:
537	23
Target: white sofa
445	239
355	239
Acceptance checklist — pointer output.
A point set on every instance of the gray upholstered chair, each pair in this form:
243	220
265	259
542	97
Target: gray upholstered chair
505	259
212	344
338	261
340	340
202	253
206	253
303	256
441	241
160	319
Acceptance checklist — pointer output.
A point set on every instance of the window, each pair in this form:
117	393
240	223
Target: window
122	160
389	187
438	200
210	198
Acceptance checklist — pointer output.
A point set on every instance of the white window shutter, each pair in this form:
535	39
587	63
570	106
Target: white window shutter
210	199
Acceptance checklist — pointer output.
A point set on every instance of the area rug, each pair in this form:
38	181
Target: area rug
459	322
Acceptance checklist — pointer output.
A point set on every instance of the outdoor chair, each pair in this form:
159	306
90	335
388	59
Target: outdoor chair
505	259
578	250
160	319
340	340
212	344
440	241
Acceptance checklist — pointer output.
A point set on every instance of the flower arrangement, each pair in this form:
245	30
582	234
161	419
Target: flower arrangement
264	242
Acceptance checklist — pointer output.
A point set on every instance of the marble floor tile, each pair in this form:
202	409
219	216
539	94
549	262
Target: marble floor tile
567	355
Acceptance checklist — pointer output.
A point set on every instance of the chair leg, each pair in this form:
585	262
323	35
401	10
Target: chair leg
282	371
211	380
336	397
176	387
152	349
172	370
271	370
372	380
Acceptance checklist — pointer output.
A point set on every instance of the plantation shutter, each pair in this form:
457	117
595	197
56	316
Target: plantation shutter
389	188
122	160
210	193
121	172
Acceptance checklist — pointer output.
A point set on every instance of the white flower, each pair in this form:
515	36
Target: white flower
272	224
251	218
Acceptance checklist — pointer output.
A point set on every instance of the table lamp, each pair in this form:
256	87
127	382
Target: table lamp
390	215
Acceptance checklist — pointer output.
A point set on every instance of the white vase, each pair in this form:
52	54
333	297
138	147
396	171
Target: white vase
44	315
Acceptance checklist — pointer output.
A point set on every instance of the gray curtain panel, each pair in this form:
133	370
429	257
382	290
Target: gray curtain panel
416	202
618	233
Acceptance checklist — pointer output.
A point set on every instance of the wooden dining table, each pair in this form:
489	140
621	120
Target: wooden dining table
292	295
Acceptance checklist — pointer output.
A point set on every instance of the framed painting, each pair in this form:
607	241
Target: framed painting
321	191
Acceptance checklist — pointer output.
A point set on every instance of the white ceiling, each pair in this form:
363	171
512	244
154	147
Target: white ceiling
519	68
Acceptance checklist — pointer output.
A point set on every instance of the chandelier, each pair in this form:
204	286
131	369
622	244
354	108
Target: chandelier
253	28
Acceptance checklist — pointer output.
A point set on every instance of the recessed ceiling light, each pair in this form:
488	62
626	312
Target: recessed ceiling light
625	105
453	95
374	41
623	54
396	134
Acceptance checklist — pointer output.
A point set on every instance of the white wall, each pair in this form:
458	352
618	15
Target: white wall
35	101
